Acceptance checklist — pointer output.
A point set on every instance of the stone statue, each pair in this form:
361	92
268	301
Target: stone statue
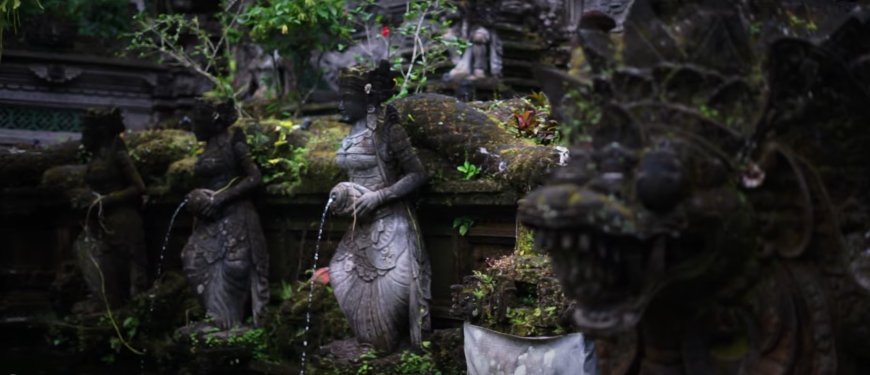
380	271
111	249
225	258
482	59
263	74
729	243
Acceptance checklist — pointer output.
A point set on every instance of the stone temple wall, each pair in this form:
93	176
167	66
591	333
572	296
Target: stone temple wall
42	94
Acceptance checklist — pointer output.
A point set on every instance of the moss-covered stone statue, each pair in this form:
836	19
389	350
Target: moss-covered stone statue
380	271
111	248
225	258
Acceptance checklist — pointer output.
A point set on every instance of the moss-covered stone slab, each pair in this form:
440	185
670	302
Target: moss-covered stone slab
25	168
460	132
153	151
445	131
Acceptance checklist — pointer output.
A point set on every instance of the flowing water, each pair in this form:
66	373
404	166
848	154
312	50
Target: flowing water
153	297
163	250
311	289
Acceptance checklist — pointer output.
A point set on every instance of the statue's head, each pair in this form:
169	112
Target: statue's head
100	126
363	90
480	35
211	117
639	212
650	207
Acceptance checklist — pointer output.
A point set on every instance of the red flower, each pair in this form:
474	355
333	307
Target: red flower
385	31
321	276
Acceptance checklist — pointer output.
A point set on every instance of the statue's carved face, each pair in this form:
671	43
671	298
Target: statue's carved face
352	106
636	212
91	138
203	125
209	119
480	36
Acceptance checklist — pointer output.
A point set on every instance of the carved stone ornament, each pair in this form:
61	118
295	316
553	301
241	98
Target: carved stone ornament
719	219
56	74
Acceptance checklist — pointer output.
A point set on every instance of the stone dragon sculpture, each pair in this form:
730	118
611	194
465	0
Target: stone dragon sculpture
713	218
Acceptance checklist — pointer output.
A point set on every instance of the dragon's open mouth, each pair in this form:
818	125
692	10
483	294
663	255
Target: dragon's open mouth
611	277
612	257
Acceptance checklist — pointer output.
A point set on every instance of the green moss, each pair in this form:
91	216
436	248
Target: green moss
64	177
26	168
165	158
153	151
322	141
460	132
179	175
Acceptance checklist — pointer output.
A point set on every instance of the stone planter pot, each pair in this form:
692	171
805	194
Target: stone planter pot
491	352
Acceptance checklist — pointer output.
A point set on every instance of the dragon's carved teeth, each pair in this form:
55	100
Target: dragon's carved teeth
583	242
567	240
657	257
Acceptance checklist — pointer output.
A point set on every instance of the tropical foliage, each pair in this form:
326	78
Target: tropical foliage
185	40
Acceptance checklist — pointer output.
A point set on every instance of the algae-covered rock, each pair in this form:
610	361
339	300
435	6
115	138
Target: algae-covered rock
297	160
64	177
179	175
153	151
459	132
25	167
324	138
502	110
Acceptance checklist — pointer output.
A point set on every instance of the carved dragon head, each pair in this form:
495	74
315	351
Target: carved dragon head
644	205
659	203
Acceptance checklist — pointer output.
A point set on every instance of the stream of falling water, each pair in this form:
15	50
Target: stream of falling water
163	252
166	243
311	289
152	297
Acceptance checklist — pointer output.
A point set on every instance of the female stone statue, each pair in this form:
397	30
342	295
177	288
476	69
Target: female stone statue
225	258
111	249
380	272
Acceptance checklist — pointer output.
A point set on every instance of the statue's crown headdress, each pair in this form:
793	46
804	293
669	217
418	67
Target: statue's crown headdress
376	84
221	113
109	120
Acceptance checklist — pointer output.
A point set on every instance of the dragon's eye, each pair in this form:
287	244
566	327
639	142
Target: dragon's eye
661	181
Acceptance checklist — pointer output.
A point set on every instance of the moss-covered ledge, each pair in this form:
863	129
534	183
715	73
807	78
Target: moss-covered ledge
485	192
298	158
